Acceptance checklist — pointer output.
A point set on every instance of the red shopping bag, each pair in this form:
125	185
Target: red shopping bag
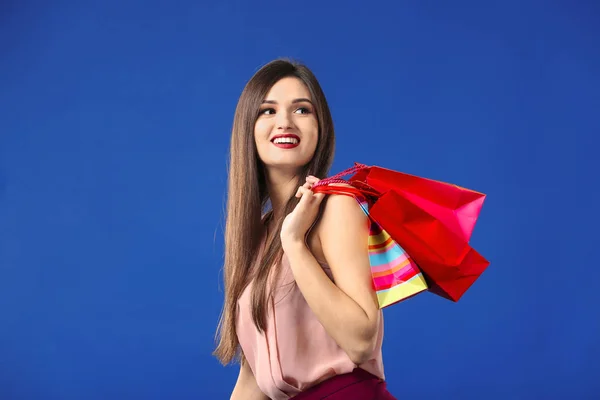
431	220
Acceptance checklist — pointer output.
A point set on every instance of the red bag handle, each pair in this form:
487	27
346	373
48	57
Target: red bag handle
357	188
345	190
337	177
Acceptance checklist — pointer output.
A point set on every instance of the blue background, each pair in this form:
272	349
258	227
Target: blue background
114	128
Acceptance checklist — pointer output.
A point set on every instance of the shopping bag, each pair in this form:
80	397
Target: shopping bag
395	275
433	222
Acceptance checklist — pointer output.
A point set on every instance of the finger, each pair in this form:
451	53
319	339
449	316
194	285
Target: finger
302	190
312	179
307	197
307	185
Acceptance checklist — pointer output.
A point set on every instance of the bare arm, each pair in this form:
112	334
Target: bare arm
246	388
348	309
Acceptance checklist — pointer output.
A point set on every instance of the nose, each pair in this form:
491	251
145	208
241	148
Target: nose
283	120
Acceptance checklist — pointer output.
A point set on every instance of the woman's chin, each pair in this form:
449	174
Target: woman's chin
286	165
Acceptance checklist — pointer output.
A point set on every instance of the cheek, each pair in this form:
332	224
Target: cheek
261	132
313	130
308	125
259	129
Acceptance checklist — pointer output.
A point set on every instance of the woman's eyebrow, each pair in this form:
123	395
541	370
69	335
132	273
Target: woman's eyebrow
300	100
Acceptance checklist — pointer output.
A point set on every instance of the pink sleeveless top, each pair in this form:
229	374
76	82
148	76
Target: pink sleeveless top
296	352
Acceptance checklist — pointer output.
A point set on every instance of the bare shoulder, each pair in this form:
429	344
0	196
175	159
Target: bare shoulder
342	220
342	211
341	206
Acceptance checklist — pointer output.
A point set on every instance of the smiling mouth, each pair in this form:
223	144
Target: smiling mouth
286	141
286	145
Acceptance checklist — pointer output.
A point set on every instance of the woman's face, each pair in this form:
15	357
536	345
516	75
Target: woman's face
286	131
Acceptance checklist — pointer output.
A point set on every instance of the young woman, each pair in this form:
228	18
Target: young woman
300	312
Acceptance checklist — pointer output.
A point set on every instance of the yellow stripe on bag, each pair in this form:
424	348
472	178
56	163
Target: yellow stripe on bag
379	240
415	285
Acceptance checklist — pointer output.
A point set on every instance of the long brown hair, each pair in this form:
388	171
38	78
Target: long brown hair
247	198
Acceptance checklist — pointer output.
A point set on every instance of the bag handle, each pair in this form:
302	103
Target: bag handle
337	177
358	188
345	190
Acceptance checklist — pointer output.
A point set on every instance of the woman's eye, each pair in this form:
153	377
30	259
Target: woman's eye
303	110
267	111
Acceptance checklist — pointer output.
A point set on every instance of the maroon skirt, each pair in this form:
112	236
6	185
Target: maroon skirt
358	384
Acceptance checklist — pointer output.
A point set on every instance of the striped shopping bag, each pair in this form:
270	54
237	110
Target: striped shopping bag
395	275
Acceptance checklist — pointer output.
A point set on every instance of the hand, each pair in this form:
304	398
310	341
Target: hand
297	223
